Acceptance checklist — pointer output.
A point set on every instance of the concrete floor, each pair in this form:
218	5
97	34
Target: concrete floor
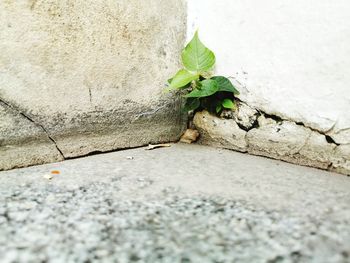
185	203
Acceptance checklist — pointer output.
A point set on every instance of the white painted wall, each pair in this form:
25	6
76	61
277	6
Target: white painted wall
292	57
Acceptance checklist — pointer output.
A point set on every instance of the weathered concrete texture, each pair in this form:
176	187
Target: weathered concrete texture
292	143
250	130
89	74
166	206
22	142
221	133
341	159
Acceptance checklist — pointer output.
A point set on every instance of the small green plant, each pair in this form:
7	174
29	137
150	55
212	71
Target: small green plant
200	88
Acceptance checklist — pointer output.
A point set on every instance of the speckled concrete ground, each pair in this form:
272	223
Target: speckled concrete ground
185	203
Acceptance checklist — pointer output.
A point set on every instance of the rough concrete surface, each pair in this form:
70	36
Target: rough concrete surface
89	74
220	133
22	142
186	203
253	131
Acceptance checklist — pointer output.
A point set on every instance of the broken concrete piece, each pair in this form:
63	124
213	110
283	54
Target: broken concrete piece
220	132
273	137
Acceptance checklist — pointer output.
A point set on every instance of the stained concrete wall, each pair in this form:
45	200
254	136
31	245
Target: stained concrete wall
290	59
83	76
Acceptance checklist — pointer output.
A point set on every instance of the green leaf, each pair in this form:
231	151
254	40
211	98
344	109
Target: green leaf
225	84
218	108
207	87
228	104
191	104
197	57
182	78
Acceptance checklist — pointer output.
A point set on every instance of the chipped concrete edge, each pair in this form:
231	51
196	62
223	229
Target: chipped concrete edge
251	130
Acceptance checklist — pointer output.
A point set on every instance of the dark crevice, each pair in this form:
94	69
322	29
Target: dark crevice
330	166
273	117
280	120
300	123
242	127
255	125
15	108
329	139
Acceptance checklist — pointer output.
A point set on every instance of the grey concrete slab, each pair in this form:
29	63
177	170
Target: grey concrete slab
185	203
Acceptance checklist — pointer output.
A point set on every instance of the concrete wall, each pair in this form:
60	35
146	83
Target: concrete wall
86	76
83	76
289	58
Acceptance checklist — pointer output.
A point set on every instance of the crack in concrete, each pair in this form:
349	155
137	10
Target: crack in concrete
280	120
247	121
90	95
24	115
329	139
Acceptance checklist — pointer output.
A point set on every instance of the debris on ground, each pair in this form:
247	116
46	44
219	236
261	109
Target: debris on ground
155	146
48	176
190	135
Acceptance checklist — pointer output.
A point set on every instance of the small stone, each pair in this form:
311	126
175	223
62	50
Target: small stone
48	176
189	136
